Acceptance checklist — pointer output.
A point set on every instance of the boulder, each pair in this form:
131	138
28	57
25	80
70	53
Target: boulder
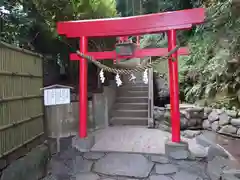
195	112
213	116
219	111
235	122
29	167
190	133
183	123
224	119
215	126
167	115
232	113
192	122
206	124
228	129
158	113
199	121
207	110
238	132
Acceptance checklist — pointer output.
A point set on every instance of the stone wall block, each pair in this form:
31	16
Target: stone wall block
224	119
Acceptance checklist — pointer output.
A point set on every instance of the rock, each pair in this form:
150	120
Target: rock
228	129
216	167
79	165
235	122
167	115
183	114
219	111
193	167
238	132
58	168
93	155
162	126
235	172
224	119
215	126
158	113
164	169
190	133
229	177
3	164
184	175
192	122
30	167
159	159
205	116
216	151
199	121
195	112
50	177
198	151
69	154
207	110
183	123
206	124
86	176
213	116
204	140
132	165
156	108
232	113
159	177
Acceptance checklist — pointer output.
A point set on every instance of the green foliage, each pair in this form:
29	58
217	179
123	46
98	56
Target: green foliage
44	14
15	25
211	73
32	24
212	70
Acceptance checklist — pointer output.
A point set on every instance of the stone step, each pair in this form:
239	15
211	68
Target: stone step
138	121
132	99
130	113
133	88
133	93
134	85
131	106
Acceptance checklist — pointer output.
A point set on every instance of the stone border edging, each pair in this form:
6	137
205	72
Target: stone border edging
225	122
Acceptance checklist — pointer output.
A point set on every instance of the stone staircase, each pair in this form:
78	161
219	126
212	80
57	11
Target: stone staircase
131	106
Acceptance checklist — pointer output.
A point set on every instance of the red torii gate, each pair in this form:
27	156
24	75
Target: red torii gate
132	26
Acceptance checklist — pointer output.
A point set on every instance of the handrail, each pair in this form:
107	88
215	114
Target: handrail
150	97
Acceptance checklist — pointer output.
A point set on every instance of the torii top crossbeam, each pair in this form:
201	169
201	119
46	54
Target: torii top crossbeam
135	25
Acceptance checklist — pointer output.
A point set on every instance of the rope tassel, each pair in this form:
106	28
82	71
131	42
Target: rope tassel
118	80
132	78
101	74
145	76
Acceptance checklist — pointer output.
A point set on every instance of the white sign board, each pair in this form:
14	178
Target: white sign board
56	96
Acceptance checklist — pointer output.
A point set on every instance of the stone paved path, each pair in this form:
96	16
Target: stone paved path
74	165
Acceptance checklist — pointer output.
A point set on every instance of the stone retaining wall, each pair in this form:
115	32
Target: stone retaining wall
193	117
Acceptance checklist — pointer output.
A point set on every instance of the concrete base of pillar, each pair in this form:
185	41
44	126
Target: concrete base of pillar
83	144
177	151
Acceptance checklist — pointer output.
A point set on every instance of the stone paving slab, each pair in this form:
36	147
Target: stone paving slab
124	166
74	165
138	140
130	139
